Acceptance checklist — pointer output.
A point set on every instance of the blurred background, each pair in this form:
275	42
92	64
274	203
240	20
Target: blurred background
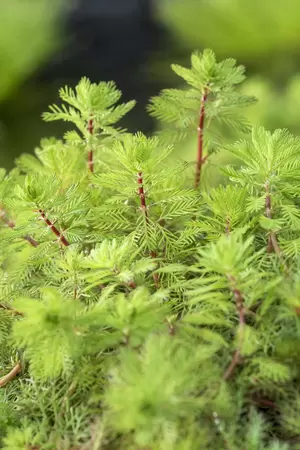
46	44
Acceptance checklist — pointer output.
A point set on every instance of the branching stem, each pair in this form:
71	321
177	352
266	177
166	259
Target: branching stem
51	225
10	309
12	225
200	159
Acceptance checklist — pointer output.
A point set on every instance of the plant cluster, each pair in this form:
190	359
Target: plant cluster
139	310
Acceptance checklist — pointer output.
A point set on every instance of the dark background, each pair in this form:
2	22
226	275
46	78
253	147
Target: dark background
103	40
47	44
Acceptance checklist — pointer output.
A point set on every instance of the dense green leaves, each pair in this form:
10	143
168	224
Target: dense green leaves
90	100
135	310
217	81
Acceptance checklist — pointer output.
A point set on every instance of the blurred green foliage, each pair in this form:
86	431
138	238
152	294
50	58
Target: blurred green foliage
261	34
277	108
28	34
254	29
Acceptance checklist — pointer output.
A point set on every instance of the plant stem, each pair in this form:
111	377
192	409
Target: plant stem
234	362
12	310
272	240
31	241
57	233
11	375
227	229
143	207
265	402
131	285
142	196
12	225
200	159
239	300
90	128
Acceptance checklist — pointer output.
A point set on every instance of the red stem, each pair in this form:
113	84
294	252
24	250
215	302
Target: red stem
143	207
272	239
57	233
142	196
90	128
200	159
12	225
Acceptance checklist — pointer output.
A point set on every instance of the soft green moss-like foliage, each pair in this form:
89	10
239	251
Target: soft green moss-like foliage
139	310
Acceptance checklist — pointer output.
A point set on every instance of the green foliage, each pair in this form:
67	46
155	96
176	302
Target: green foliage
217	82
90	101
138	311
27	36
236	27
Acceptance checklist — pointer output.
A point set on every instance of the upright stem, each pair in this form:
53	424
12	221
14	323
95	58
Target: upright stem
90	128
12	225
51	225
227	229
272	239
234	362
143	207
200	159
239	301
142	196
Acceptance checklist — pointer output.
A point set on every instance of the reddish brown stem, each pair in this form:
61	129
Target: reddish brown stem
12	225
90	161
227	228
239	305
11	375
31	241
90	128
143	207
272	239
200	159
12	310
234	362
57	233
239	301
265	402
142	196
